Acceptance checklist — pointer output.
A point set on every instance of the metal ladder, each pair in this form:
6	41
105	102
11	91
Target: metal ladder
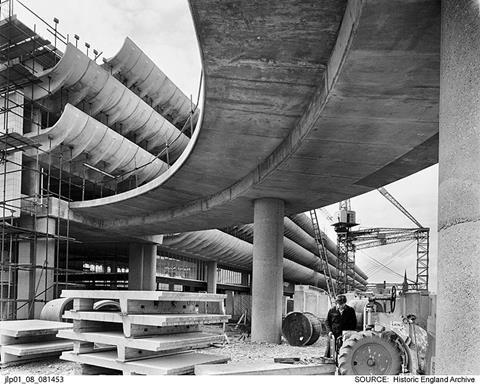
322	252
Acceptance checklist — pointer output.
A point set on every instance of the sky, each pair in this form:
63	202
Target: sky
164	31
418	194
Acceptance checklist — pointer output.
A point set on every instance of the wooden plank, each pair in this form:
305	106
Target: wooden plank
30	349
20	328
177	364
260	368
143	295
155	343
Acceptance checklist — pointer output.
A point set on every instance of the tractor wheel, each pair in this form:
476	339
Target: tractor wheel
366	353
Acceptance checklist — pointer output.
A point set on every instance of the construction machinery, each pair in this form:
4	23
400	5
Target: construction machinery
389	342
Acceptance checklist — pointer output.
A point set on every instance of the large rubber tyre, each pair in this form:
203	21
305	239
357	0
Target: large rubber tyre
366	353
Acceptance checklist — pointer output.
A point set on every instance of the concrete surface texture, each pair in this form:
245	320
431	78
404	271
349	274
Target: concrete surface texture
142	263
167	365
231	251
133	65
458	302
76	136
300	248
78	79
326	100
267	277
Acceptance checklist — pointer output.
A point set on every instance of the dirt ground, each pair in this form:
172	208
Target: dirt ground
237	349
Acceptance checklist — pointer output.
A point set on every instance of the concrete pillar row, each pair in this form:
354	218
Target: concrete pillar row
142	267
212	276
458	301
267	279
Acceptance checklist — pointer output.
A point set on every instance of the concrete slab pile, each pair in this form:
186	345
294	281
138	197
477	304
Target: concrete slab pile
22	341
265	369
152	334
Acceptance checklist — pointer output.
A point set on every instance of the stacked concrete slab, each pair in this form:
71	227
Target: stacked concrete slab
154	333
264	368
22	341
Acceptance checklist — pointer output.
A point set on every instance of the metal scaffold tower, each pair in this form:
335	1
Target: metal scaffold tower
32	238
349	241
345	248
322	252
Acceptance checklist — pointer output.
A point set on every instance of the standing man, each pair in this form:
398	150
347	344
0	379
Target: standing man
340	318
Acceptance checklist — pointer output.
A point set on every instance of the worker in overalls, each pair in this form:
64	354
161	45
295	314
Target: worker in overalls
340	318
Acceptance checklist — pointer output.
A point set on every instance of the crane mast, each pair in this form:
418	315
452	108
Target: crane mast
348	241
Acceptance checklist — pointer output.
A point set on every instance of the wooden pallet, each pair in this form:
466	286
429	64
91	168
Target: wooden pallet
175	364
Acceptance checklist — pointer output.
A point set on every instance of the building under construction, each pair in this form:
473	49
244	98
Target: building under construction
76	130
114	180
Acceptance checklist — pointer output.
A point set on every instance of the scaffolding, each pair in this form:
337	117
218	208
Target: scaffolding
39	181
34	243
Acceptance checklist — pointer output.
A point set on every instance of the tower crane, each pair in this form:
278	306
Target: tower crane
348	241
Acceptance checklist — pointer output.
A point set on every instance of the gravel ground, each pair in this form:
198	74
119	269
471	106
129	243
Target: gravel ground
53	366
237	349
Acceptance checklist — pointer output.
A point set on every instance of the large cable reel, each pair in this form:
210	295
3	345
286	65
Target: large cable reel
368	353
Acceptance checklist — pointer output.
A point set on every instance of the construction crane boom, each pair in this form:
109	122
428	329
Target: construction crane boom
399	206
364	242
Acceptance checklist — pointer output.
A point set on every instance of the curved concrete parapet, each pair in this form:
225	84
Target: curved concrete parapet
362	113
77	133
143	74
306	239
86	81
298	252
228	250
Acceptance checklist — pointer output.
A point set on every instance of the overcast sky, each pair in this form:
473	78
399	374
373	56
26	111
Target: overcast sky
164	31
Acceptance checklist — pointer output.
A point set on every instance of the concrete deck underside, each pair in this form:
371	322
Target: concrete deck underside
308	101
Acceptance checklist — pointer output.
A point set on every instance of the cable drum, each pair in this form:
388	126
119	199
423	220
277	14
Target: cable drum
301	328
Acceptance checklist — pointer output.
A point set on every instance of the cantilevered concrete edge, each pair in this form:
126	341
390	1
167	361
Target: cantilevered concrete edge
283	152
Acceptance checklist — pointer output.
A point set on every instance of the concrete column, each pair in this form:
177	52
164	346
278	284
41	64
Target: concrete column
267	282
142	267
212	277
35	283
458	306
245	278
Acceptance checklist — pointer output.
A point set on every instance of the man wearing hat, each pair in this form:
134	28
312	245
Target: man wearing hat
340	318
